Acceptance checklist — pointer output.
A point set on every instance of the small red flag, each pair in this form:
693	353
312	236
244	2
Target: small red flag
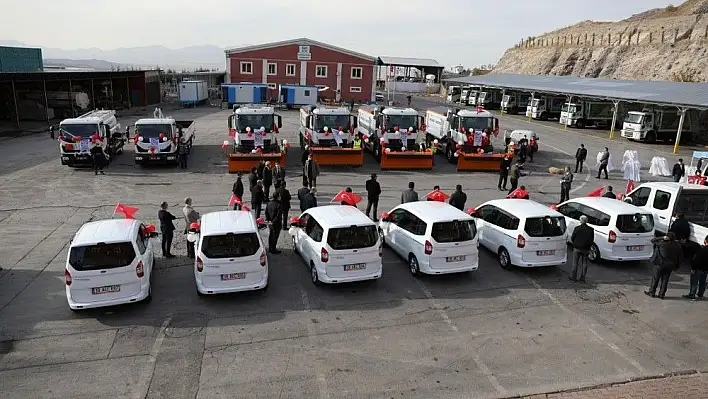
127	211
234	200
518	194
437	195
596	192
348	198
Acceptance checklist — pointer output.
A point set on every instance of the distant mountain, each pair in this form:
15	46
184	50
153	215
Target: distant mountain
148	56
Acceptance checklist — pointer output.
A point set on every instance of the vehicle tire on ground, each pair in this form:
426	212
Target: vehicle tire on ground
651	137
544	116
314	277
594	254
413	265
504	259
383	241
580	124
295	247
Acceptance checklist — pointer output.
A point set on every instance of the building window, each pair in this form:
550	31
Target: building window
321	71
272	68
357	72
246	68
307	93
290	70
355	89
272	86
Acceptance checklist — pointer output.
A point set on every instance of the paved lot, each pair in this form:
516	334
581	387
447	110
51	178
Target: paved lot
492	333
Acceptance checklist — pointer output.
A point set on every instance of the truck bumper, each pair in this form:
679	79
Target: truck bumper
631	134
159	158
76	159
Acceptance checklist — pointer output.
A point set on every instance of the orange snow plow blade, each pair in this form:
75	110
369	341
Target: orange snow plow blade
338	156
245	162
407	160
479	162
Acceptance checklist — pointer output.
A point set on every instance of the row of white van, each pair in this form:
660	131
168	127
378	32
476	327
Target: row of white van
111	262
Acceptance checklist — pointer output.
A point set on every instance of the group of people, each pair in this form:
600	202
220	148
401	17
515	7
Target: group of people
167	226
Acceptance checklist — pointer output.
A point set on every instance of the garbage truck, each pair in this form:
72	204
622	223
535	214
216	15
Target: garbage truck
545	108
254	131
328	133
77	136
515	103
655	124
587	114
156	139
394	136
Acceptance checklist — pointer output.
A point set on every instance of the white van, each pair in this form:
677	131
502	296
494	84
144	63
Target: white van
433	237
623	231
230	254
110	263
522	233
338	243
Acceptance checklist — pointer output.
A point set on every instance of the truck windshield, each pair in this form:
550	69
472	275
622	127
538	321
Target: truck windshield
153	131
694	205
633	118
536	102
482	95
80	130
255	122
477	123
332	121
402	121
506	98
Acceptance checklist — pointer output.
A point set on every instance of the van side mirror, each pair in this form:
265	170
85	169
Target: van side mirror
385	217
153	234
472	212
261	223
51	132
279	120
296	222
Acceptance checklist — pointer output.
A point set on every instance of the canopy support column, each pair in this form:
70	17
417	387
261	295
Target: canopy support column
682	113
614	118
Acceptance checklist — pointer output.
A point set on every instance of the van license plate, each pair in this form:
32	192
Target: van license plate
105	290
546	253
234	276
635	248
455	258
351	268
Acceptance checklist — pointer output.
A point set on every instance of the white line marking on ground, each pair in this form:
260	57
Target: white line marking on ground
154	352
311	334
590	328
480	364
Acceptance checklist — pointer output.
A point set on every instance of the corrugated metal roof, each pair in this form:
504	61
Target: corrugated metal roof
303	41
690	95
414	62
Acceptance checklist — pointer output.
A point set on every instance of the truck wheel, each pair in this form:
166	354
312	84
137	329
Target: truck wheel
651	137
580	124
543	117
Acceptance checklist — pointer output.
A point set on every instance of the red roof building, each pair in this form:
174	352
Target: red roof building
348	75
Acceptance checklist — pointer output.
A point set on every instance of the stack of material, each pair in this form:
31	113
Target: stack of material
631	166
658	167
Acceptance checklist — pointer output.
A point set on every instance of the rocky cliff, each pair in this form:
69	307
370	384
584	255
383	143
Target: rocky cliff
660	44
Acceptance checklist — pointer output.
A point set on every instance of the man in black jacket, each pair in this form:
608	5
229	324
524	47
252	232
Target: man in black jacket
310	200
167	228
678	171
666	259
458	198
274	216
301	194
604	163
581	154
583	238
259	169
99	158
373	191
504	166
257	198
252	178
681	228
267	180
609	193
237	190
278	175
699	271
285	199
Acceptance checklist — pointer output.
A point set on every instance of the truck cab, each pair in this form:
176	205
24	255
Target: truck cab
253	127
545	108
570	113
513	103
490	99
77	136
326	126
460	130
472	97
651	125
391	127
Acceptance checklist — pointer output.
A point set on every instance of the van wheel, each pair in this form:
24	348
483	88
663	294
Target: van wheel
148	298
413	266
313	274
295	247
594	254
381	235
504	259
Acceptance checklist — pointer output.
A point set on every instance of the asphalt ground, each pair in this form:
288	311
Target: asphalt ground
490	333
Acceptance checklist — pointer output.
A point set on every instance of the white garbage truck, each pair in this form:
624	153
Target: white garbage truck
515	102
254	126
156	139
460	131
587	114
389	127
546	107
319	123
653	124
77	136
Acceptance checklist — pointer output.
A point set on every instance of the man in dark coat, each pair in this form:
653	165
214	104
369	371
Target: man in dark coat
237	191
409	195
301	194
666	259
373	192
458	198
604	161
583	238
678	171
609	193
312	170
699	271
259	169
581	154
285	199
278	175
275	217
681	228
183	153
252	178
167	228
257	198
310	200
514	174
99	158
504	166
267	179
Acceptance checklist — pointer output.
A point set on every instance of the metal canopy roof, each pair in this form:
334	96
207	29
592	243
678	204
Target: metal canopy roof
412	62
689	95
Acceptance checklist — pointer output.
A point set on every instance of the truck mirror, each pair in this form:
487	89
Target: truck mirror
280	121
308	121
51	132
378	120
354	122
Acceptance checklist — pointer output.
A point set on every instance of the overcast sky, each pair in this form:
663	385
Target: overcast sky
471	32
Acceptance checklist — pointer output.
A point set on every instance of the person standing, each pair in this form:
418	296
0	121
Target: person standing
99	158
267	180
285	199
183	153
504	166
190	216
252	178
666	259
237	191
699	271
583	238
604	161
278	175
274	216
409	195
257	198
310	200
678	171
260	168
373	192
581	154
458	198
312	170
167	228
609	193
566	183
301	194
514	174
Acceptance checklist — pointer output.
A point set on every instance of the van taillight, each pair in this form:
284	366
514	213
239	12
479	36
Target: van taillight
612	237
200	264
67	277
263	258
428	247
324	256
139	269
380	251
520	241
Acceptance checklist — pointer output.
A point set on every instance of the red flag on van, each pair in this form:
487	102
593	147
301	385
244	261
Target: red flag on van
127	211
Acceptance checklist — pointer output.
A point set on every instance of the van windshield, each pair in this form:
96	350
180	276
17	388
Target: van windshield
637	223
230	245
101	256
694	205
549	226
352	237
454	231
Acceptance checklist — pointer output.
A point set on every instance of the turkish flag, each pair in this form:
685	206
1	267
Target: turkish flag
348	198
127	211
518	194
234	200
596	192
437	195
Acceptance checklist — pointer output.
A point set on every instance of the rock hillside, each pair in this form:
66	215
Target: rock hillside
660	44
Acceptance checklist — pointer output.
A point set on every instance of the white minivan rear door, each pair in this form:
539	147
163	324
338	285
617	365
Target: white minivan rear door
545	238
232	259
454	244
353	251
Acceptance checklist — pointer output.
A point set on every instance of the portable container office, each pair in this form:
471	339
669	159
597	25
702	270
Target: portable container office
193	92
244	93
297	95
